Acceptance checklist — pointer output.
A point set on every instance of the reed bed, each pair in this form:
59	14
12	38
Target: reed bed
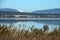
31	33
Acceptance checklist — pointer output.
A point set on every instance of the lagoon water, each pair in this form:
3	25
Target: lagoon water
37	24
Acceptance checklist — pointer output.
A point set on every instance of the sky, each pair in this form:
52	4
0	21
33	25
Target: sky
30	5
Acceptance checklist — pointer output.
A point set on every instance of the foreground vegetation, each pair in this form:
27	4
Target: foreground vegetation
12	33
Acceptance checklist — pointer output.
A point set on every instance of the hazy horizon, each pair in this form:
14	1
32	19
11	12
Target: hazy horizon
30	5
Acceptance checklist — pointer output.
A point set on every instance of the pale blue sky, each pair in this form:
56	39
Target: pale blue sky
30	5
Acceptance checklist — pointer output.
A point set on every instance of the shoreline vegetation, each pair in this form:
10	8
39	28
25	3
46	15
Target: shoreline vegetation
31	33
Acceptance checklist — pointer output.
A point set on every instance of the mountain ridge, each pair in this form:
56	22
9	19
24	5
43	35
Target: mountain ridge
47	11
9	10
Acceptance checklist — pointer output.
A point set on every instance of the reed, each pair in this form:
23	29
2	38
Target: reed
12	33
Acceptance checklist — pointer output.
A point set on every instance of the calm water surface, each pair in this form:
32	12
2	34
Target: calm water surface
38	24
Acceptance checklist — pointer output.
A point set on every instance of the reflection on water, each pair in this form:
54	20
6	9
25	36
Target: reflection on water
38	24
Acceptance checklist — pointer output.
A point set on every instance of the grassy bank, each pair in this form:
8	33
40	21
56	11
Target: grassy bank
12	33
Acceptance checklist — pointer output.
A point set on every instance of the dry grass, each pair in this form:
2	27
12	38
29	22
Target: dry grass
11	33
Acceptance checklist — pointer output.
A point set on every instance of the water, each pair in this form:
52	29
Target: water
34	19
37	24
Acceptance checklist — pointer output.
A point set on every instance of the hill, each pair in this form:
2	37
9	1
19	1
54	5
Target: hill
48	11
